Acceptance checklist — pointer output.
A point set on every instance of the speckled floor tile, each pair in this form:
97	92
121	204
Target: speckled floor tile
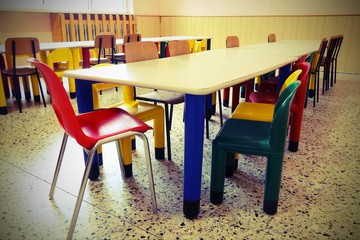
319	196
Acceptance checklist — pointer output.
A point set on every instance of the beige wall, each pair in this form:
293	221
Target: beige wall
255	30
246	7
14	24
250	29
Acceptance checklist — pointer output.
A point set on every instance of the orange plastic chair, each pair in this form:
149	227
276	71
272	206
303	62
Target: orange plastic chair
18	47
60	60
91	130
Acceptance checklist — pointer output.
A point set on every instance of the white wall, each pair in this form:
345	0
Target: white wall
246	7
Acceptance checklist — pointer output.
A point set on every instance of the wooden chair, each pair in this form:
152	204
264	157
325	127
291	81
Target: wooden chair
142	51
271	37
16	48
133	37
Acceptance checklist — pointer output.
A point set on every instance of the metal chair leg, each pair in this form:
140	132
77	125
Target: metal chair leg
58	166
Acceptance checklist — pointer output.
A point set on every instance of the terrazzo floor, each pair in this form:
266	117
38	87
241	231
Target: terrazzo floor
319	199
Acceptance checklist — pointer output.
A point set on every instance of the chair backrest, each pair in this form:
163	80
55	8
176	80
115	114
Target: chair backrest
140	51
232	41
60	55
133	37
28	46
272	37
321	53
201	45
61	104
136	52
301	93
338	45
294	75
178	47
316	62
280	122
330	49
105	40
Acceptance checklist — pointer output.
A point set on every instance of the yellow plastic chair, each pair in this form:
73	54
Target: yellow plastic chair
192	46
141	110
60	60
201	45
261	111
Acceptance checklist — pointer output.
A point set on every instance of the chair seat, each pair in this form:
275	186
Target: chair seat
240	134
104	123
141	110
259	97
262	112
94	61
25	71
163	97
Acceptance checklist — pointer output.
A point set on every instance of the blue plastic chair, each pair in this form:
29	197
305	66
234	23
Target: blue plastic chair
254	138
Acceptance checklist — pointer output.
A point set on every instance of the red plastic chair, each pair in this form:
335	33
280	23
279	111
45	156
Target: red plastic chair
271	84
297	106
91	130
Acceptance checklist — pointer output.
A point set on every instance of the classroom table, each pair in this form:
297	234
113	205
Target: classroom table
196	75
85	46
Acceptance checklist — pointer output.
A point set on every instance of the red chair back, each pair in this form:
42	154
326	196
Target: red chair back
300	95
61	103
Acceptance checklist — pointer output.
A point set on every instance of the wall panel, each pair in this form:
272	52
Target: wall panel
254	29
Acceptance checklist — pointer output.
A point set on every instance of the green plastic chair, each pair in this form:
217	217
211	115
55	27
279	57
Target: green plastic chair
254	138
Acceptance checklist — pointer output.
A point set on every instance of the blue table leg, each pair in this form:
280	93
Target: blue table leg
85	104
283	74
194	141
